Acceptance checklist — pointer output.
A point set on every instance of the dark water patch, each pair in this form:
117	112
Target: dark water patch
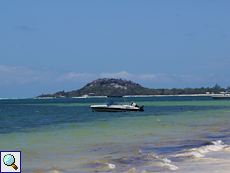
173	98
219	136
169	110
173	146
101	100
16	118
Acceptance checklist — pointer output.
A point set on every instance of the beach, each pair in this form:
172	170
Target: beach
64	135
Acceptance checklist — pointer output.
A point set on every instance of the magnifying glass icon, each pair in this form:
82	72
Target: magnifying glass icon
9	160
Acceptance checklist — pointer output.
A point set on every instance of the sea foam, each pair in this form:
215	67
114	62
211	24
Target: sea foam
201	151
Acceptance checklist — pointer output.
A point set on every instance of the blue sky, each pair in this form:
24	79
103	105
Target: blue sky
50	46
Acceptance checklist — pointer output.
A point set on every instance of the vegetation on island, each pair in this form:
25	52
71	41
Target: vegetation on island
111	86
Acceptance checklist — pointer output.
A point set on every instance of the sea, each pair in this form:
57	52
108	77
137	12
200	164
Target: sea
62	135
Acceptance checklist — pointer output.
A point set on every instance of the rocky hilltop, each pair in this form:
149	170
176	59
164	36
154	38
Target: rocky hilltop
113	83
104	87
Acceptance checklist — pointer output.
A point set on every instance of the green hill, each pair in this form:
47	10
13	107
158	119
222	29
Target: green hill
110	86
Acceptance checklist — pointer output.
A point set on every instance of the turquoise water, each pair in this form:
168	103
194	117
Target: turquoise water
182	134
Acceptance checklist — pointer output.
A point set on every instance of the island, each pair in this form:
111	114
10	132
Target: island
111	86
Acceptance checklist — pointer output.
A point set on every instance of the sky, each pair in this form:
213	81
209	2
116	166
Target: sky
56	45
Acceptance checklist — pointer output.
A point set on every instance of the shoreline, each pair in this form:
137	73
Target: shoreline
123	96
152	95
174	95
134	96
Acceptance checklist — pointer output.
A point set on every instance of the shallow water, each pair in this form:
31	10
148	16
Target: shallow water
183	134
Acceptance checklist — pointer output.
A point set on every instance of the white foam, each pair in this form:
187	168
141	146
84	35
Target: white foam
218	145
166	160
153	155
111	166
171	167
219	142
193	153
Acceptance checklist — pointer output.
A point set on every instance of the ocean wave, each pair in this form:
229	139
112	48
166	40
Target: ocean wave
201	151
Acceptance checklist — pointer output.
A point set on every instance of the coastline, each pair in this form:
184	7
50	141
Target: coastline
87	96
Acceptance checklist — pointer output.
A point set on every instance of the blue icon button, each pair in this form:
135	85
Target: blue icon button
9	160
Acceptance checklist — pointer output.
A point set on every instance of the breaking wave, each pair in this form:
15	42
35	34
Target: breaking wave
201	151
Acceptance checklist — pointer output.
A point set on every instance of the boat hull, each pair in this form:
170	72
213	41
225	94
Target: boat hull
105	108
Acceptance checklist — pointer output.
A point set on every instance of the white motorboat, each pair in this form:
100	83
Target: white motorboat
112	106
226	95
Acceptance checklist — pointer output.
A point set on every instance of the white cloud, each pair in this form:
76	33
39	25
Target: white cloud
24	75
134	77
122	74
151	76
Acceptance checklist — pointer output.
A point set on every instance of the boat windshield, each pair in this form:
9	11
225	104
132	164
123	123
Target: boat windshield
115	100
110	102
